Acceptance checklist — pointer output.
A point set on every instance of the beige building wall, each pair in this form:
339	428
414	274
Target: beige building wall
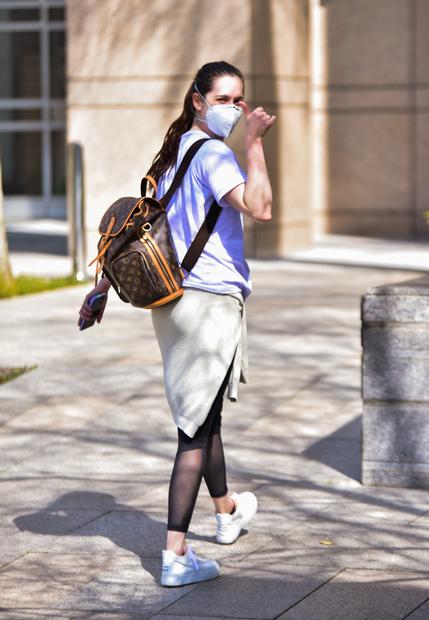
129	65
281	80
370	123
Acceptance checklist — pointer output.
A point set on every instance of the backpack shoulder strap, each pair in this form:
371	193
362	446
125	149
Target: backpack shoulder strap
201	237
184	165
207	227
178	177
211	218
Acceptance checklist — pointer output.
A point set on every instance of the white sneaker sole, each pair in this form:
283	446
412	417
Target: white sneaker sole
183	580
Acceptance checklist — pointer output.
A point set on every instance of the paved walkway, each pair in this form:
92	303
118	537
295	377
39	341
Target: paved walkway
47	240
87	445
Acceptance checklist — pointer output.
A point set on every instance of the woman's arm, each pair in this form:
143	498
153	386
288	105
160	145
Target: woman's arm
254	197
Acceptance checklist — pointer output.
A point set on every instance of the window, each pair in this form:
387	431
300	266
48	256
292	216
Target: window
21	156
58	147
57	64
20	61
19	15
32	101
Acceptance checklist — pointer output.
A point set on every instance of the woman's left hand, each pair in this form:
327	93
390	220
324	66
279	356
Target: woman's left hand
258	122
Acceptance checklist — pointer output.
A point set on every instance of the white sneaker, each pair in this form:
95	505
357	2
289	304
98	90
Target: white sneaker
179	570
229	526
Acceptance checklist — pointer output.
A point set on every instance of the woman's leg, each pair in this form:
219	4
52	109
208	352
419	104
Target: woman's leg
188	470
215	471
184	486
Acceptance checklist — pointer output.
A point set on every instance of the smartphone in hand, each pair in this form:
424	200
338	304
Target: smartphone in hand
95	303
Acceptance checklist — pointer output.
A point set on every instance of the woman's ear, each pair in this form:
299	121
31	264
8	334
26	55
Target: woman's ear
197	103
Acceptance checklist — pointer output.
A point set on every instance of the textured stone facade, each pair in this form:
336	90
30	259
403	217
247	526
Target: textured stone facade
348	82
395	384
370	116
130	64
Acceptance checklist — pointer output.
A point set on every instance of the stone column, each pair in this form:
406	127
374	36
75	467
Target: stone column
280	82
395	384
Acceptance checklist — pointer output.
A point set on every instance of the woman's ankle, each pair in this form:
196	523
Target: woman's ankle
176	550
225	505
176	542
183	552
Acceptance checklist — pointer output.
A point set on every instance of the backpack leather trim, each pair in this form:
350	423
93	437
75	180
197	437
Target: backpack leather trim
165	300
123	210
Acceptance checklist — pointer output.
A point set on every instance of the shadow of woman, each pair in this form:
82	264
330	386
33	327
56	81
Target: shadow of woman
91	514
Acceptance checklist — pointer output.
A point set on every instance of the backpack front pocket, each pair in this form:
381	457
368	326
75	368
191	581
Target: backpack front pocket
139	280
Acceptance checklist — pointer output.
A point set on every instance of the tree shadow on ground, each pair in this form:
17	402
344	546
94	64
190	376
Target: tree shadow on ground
269	583
128	528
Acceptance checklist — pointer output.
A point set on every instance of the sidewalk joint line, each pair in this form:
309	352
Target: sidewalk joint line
310	593
423	514
2	566
103	514
415	609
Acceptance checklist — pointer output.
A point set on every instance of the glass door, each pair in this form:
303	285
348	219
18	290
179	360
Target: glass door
32	108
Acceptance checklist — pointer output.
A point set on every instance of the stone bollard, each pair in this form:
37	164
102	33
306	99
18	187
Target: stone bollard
395	384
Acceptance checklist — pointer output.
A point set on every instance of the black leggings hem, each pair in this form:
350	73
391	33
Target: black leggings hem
222	495
177	528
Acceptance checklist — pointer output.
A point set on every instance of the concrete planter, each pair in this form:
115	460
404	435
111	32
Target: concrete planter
395	384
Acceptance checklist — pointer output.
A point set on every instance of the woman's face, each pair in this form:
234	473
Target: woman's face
226	89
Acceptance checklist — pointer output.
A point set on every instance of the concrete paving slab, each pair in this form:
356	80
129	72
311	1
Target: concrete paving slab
37	614
23	533
27	492
280	464
147	415
126	584
117	533
202	537
64	413
17	447
346	250
10	554
421	521
89	431
381	546
60	384
41	580
361	507
199	617
417	498
93	457
381	595
48	523
143	532
252	590
304	417
298	492
276	517
421	613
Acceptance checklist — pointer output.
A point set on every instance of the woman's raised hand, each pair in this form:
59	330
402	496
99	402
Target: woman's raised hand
258	122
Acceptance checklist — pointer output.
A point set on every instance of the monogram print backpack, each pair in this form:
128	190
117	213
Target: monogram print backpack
136	251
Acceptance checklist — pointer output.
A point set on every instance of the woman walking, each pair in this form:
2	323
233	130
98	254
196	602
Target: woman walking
202	335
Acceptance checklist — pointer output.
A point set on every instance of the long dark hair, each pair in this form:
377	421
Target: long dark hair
204	79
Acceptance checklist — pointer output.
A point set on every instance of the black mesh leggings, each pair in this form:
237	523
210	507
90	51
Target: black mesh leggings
198	456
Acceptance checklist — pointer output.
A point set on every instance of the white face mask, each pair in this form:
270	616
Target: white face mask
221	118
